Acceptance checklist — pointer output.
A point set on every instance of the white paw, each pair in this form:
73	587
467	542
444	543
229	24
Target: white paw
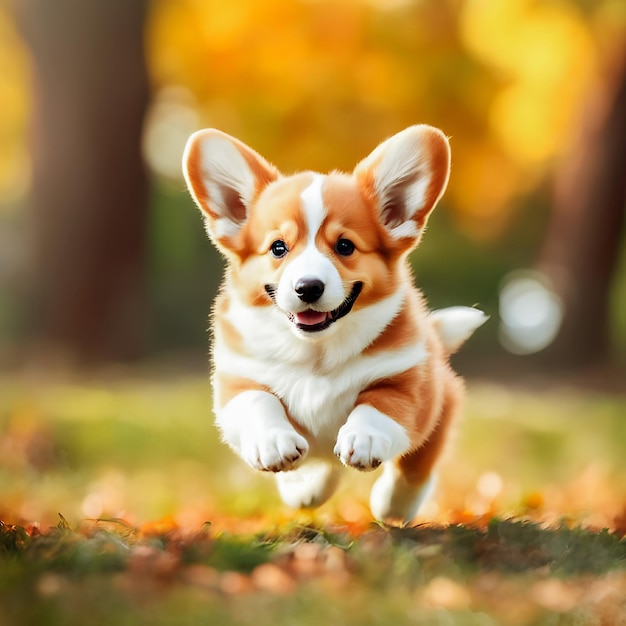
276	450
360	450
368	438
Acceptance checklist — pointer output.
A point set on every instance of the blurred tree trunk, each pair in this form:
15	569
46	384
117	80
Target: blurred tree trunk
585	234
89	197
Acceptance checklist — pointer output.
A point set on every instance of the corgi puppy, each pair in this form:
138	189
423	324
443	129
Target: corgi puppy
323	349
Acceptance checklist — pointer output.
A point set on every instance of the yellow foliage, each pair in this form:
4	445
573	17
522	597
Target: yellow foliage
15	105
546	54
483	182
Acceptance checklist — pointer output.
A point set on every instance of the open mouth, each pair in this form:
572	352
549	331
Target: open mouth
312	321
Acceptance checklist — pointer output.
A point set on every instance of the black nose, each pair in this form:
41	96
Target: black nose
309	289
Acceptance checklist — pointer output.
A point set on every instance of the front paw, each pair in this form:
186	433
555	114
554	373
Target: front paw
277	450
363	451
369	438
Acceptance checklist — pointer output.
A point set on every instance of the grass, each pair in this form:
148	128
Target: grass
160	524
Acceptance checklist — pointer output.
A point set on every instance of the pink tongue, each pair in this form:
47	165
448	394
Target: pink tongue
310	318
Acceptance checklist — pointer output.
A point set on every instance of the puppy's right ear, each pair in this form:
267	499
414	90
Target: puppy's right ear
224	177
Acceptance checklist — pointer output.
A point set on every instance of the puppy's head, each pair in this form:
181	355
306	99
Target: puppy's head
316	246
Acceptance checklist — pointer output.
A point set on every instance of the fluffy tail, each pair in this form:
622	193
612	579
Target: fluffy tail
456	324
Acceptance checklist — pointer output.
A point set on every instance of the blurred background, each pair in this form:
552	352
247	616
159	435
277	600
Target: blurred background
104	260
102	254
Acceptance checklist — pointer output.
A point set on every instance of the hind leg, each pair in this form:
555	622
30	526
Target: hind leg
396	500
308	486
409	480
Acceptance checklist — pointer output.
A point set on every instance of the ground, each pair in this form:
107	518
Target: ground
121	506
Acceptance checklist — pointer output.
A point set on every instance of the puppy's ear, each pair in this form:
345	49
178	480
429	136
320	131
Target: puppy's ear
224	177
406	175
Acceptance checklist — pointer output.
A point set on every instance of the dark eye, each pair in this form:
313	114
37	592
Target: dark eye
279	249
344	247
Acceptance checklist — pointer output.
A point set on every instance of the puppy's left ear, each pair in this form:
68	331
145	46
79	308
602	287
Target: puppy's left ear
406	176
